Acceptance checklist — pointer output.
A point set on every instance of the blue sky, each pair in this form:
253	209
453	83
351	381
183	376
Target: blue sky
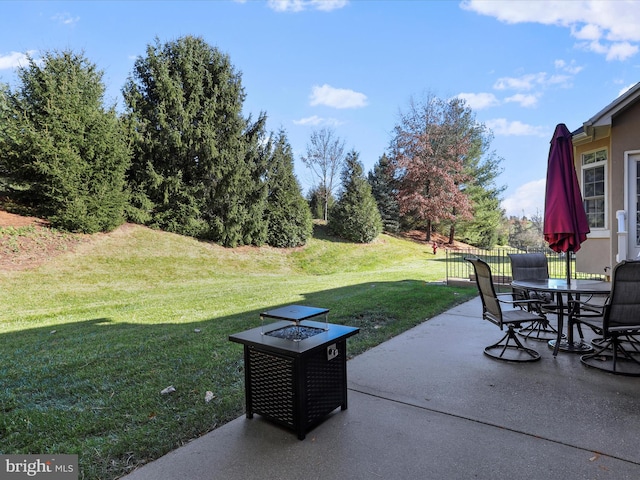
353	65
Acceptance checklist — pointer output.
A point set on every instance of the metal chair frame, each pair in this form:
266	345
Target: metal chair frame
534	266
619	351
509	347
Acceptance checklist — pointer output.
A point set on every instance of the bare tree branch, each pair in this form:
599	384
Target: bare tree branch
325	158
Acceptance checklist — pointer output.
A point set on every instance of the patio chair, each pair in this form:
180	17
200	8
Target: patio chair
534	266
588	313
509	348
619	351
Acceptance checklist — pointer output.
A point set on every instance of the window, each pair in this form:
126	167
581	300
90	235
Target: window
593	186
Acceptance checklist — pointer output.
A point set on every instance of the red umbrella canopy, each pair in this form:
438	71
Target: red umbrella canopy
565	221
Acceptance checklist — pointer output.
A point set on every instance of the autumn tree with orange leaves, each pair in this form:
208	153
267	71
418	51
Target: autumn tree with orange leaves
432	141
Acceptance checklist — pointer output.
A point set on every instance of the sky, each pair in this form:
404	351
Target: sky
354	65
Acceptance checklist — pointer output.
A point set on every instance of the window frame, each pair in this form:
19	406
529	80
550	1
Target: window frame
590	166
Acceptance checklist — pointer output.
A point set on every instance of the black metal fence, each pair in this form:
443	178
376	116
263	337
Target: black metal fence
498	260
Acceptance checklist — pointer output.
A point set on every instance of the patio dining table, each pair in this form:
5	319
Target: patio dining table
573	290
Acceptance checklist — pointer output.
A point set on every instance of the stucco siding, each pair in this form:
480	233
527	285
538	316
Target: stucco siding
597	252
594	256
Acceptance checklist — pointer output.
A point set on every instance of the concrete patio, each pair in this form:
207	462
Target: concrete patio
429	404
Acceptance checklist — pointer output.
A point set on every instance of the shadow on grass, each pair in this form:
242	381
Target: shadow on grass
321	232
93	388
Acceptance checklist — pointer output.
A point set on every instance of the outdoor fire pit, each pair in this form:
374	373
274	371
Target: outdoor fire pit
295	368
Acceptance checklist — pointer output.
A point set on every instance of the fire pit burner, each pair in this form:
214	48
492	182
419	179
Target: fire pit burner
295	333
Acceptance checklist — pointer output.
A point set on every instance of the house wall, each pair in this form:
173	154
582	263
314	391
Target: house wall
625	132
598	254
595	255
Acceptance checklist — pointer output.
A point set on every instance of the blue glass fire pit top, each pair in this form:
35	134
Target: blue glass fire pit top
295	333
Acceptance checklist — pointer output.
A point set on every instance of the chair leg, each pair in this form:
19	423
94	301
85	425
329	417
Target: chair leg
540	330
631	342
510	349
613	357
580	331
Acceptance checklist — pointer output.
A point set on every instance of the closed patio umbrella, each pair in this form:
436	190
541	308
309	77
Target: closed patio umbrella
565	221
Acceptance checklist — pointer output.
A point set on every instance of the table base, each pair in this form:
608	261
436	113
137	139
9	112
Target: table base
571	347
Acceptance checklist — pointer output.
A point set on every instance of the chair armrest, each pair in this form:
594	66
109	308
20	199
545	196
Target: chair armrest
585	309
580	309
517	302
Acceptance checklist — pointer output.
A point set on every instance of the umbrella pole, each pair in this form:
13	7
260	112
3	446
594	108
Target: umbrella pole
569	267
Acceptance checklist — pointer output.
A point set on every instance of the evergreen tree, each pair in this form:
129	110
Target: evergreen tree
253	228
287	213
483	168
198	167
63	147
355	215
5	129
384	191
526	233
317	199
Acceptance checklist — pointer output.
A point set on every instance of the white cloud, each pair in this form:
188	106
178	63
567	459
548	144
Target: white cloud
13	60
570	68
561	80
560	64
609	28
316	121
527	200
530	87
626	89
525	82
614	51
328	5
523	100
301	5
621	51
337	97
478	101
502	126
286	5
587	32
65	19
546	12
530	81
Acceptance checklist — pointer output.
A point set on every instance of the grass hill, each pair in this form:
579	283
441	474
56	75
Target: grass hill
94	327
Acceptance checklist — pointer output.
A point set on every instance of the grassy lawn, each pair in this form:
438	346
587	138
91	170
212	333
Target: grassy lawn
89	339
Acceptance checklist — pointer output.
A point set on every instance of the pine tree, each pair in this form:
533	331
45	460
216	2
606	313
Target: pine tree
384	191
355	215
317	200
198	166
287	213
482	167
6	132
63	147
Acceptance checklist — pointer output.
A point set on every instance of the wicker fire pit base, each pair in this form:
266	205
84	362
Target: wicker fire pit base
295	382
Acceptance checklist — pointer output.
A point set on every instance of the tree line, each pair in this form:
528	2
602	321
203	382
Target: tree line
183	158
439	174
